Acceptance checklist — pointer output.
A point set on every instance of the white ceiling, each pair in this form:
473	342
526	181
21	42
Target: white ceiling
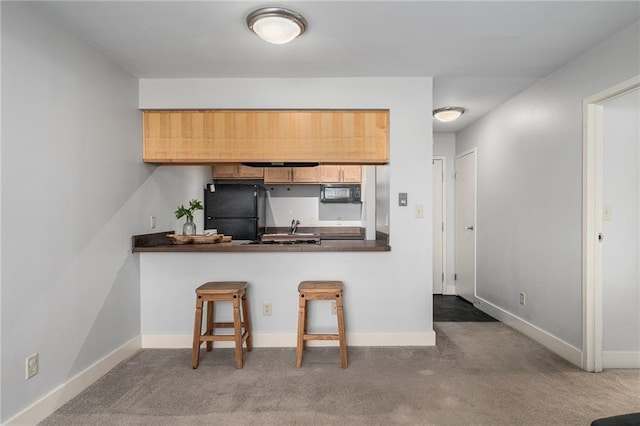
480	53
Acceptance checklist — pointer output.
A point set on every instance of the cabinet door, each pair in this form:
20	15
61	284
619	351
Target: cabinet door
330	174
206	136
248	172
222	171
236	171
305	174
277	175
352	174
339	174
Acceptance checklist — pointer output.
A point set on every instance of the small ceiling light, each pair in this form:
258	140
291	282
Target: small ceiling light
276	25
448	113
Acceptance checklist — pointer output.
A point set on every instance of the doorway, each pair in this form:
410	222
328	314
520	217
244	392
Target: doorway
611	232
439	196
465	226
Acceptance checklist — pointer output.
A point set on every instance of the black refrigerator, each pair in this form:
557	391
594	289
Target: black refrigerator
234	209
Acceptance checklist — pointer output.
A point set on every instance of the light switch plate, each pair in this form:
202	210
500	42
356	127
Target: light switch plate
402	199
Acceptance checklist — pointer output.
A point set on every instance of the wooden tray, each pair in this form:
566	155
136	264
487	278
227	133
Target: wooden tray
198	239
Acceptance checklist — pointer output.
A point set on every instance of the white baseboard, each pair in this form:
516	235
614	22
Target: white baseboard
288	340
619	359
55	399
546	339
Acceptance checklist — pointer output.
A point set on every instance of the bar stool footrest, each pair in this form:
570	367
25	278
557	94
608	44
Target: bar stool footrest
321	337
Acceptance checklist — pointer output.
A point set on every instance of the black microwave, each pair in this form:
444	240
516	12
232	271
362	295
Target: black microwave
340	193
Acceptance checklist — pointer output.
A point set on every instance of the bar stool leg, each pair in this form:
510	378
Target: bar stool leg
237	330
210	328
197	329
341	334
302	315
246	322
306	322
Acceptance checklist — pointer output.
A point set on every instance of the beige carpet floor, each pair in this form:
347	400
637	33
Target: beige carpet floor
478	374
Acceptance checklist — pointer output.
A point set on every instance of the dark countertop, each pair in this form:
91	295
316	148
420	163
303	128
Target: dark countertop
158	242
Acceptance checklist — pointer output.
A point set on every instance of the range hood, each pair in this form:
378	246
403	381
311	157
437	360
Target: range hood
281	164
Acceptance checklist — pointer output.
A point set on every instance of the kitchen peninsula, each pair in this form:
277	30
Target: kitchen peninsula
159	242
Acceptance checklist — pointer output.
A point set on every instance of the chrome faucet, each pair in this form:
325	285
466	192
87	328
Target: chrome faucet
294	226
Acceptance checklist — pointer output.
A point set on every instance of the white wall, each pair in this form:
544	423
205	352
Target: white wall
1	324
385	292
302	202
621	251
444	145
73	192
383	198
530	190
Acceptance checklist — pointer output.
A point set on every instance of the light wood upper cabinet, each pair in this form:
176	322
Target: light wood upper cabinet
277	175
333	174
236	171
318	174
291	175
305	174
352	174
235	136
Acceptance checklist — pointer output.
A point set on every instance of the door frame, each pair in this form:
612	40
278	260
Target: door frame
474	151
444	220
592	221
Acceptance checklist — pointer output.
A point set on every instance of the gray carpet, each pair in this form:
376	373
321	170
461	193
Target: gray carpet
478	374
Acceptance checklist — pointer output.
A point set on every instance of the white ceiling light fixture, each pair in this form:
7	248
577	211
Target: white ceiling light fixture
276	25
448	113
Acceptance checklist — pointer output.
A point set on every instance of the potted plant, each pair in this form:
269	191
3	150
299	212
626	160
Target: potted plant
189	228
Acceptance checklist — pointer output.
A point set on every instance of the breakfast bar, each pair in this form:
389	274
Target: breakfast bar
159	242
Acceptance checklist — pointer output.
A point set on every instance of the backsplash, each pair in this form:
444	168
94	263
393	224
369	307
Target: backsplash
302	202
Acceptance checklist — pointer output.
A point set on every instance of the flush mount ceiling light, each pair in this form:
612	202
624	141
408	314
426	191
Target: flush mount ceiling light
448	113
276	25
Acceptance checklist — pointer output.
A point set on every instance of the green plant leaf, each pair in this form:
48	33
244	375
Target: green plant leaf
181	211
195	205
188	212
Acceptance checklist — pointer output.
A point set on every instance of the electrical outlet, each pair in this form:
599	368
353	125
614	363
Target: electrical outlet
31	366
266	309
152	222
419	211
522	298
334	308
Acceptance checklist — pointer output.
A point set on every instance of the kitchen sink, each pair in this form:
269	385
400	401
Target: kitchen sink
295	234
283	242
295	238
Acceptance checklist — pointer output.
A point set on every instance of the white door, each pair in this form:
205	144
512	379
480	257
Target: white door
608	219
465	226
438	226
621	230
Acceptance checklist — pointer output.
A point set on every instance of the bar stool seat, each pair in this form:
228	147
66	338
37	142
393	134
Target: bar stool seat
320	290
222	291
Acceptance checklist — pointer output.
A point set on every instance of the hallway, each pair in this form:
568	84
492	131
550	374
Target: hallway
455	309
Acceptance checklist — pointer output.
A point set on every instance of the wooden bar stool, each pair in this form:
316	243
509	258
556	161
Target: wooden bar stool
222	291
320	290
